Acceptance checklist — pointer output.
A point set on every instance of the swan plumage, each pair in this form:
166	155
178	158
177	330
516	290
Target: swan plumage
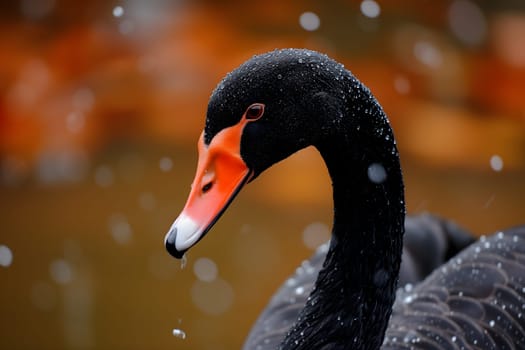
280	102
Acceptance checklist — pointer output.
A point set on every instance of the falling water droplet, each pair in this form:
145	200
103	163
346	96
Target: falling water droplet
183	261
179	333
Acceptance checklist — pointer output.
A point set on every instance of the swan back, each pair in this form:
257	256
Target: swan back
439	239
475	301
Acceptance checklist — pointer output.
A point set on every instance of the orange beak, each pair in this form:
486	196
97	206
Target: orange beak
221	173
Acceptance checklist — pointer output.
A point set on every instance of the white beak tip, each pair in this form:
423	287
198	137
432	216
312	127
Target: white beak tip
183	234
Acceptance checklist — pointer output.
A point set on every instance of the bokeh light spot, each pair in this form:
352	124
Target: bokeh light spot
83	99
212	298
428	54
118	11
315	234
120	228
61	166
36	9
205	269
309	21
75	121
6	256
370	8
147	201
166	164
61	271
401	85
376	173
496	163
467	22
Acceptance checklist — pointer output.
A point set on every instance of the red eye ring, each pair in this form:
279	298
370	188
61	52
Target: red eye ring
255	111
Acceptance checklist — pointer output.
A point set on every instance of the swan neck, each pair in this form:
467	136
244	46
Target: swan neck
353	296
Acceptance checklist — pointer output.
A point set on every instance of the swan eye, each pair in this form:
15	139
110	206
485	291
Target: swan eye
255	111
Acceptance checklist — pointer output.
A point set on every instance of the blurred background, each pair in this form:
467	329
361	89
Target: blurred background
101	105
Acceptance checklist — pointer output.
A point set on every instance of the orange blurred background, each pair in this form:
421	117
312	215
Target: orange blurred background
101	104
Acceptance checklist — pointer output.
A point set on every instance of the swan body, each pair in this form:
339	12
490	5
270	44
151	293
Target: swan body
280	102
429	241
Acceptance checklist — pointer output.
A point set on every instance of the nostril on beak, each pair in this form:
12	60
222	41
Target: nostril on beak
207	187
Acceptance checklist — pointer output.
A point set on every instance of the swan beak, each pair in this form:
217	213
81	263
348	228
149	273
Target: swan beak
221	173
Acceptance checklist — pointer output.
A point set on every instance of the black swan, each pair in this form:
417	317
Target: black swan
280	102
428	242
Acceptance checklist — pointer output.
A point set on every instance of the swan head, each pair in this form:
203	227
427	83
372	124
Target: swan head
260	113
